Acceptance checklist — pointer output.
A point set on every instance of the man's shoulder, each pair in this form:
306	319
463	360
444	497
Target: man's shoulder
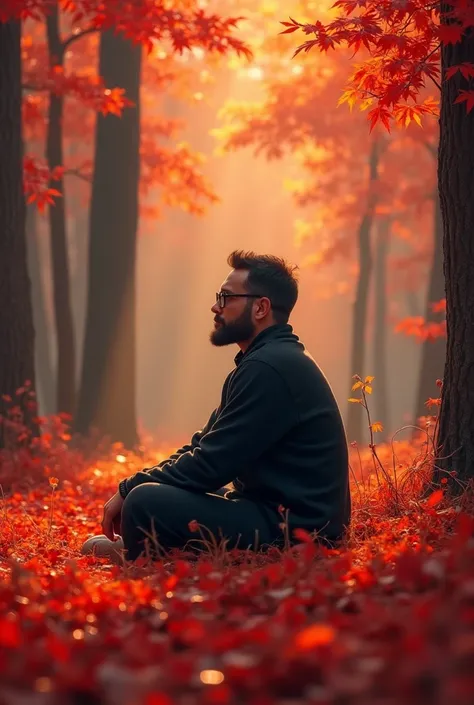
283	350
289	361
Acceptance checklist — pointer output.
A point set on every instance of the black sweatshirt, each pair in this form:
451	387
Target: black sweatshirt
277	435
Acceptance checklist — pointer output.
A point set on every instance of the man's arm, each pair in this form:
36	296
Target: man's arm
187	448
195	440
258	412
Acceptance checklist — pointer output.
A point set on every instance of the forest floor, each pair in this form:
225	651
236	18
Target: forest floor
388	619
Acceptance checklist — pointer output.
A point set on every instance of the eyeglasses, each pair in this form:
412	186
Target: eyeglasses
221	297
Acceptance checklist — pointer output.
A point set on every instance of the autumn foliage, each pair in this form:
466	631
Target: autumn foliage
179	28
399	48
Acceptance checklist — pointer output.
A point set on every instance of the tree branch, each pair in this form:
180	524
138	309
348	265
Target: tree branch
432	149
74	37
438	85
79	174
32	88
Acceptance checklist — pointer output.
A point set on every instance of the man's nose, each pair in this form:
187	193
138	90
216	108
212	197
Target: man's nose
215	308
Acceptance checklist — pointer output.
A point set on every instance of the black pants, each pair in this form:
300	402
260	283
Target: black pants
163	514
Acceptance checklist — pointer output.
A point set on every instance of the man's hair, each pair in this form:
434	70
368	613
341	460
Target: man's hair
269	276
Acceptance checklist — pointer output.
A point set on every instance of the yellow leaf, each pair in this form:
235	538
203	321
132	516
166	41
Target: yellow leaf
355	401
357	385
376	427
417	119
368	388
350	97
368	380
366	104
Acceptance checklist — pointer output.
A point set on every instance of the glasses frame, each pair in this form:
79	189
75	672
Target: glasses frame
222	296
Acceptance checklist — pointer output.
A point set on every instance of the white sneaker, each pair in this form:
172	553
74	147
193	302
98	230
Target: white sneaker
103	547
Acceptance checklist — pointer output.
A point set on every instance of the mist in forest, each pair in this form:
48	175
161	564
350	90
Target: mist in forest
181	263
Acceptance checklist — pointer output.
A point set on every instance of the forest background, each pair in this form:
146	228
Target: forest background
239	151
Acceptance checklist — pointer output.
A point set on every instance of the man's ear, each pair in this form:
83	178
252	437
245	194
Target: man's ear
264	307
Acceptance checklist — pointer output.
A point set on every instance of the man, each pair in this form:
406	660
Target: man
277	436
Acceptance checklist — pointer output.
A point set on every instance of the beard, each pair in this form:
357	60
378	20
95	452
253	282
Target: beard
237	331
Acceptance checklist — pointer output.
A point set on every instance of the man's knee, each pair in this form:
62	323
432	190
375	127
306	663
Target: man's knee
137	494
151	498
156	512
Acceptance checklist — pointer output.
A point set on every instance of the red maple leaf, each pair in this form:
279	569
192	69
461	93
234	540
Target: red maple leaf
468	98
450	33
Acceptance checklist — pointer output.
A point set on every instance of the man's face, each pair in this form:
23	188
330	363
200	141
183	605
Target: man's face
233	323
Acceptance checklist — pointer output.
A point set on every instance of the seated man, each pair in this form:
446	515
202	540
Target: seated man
277	436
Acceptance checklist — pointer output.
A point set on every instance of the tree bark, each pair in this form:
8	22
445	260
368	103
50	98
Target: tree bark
412	304
44	370
108	386
66	366
433	353
359	321
16	317
455	179
380	328
79	238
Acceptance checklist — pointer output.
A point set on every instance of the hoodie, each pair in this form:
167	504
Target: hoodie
277	436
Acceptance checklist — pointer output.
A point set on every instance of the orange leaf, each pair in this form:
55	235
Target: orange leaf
433	402
316	635
439	306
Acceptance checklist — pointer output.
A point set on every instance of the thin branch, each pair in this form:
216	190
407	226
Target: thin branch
438	85
74	37
432	149
32	88
79	174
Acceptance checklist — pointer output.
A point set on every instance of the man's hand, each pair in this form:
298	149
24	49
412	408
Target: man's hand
112	510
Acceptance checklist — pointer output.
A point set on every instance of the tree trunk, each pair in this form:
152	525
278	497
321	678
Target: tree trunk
66	375
43	358
16	316
433	353
359	321
412	303
380	327
455	179
79	240
108	386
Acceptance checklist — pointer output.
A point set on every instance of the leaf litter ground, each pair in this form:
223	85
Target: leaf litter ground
387	619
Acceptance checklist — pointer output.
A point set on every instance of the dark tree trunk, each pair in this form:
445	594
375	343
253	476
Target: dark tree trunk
79	239
455	180
43	357
16	316
359	321
108	386
380	327
433	353
66	366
